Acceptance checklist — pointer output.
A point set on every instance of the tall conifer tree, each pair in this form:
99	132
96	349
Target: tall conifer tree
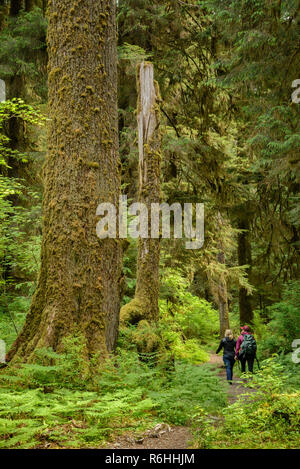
79	282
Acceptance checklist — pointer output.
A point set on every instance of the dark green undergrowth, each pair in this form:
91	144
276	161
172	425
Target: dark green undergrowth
60	401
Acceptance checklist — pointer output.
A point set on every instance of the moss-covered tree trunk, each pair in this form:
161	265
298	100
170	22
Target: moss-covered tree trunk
245	258
222	298
145	303
79	282
222	292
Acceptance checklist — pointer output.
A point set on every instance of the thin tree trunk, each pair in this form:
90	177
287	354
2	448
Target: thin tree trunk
223	299
79	282
29	4
145	303
15	7
222	293
245	258
4	11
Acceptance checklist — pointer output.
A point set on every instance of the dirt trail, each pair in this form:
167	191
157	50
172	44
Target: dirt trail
173	438
236	389
176	437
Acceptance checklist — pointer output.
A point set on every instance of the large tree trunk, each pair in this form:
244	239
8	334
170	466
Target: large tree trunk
79	282
145	303
244	257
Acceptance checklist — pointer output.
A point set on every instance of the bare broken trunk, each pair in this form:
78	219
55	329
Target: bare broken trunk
145	303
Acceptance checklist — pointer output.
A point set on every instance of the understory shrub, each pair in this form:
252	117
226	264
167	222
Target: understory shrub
182	310
284	325
267	415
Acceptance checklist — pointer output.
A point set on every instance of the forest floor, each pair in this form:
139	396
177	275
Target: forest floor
166	437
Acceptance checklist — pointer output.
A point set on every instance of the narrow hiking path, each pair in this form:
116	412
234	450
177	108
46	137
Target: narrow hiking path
168	437
237	388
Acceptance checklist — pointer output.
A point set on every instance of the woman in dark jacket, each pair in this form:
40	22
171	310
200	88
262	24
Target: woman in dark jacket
228	345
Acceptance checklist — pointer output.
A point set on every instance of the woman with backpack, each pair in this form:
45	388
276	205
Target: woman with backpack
246	349
228	345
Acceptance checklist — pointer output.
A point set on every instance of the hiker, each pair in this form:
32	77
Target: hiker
246	349
228	344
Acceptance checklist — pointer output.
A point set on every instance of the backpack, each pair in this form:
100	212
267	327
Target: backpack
248	347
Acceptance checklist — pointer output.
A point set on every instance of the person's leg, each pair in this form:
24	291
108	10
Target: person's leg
228	368
243	365
250	361
232	361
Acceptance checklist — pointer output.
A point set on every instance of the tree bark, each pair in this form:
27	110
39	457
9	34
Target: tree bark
79	282
222	293
15	7
29	4
145	303
4	11
223	299
244	258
